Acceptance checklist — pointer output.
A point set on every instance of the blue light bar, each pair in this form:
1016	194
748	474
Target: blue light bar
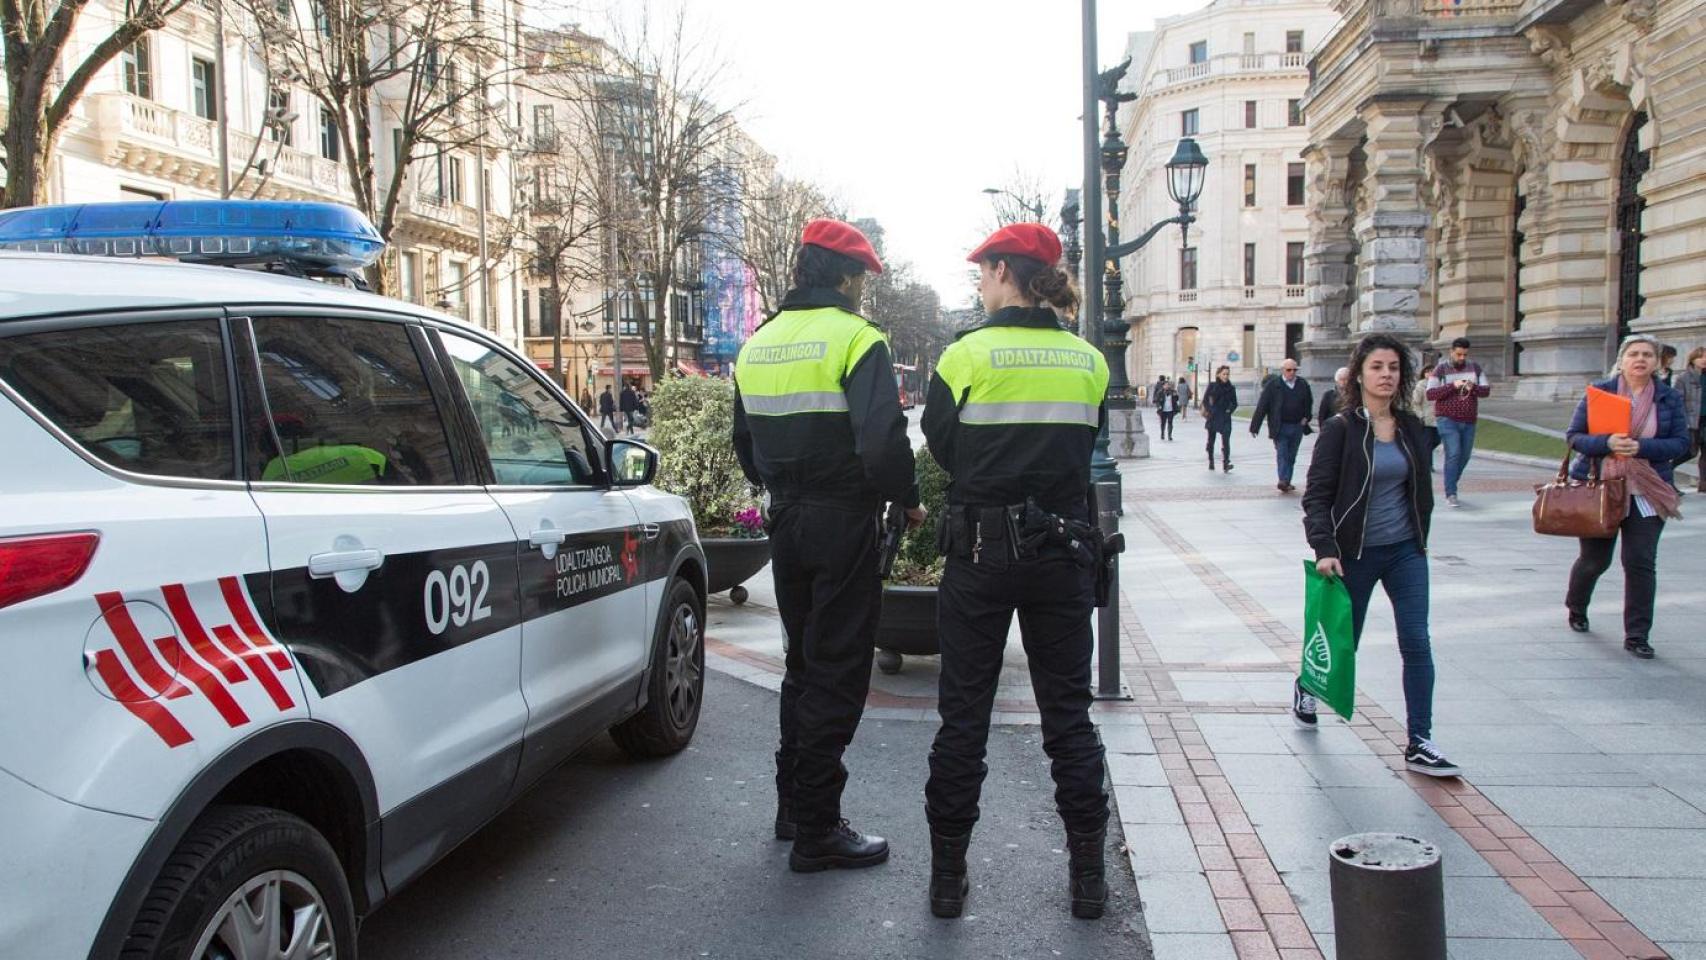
322	236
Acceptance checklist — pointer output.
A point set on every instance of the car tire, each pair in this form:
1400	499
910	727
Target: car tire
251	869
676	684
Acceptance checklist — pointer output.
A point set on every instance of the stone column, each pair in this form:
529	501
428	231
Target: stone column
1474	193
1394	268
1329	262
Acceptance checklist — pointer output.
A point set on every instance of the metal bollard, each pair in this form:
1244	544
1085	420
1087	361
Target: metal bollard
1109	684
1388	898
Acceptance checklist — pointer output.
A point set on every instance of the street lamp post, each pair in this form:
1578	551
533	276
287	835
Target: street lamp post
1035	209
1071	219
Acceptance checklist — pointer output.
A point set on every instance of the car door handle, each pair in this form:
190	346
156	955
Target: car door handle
651	530
547	536
343	561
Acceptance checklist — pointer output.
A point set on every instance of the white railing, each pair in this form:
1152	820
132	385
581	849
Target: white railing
1249	293
1236	63
1295	291
1187	296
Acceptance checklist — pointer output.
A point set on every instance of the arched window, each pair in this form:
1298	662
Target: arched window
1517	239
1629	208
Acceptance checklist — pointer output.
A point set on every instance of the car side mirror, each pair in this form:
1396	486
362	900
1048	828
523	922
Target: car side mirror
632	463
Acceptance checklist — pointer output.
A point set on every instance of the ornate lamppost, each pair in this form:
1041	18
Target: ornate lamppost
1186	172
1071	219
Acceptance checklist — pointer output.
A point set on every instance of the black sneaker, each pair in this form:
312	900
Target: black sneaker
1424	758
840	846
1638	647
1578	622
1303	707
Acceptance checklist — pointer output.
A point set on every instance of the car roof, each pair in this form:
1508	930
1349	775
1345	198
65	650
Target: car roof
37	284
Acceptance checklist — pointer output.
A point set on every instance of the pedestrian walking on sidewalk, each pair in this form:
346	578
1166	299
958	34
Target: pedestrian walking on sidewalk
607	410
1456	387
628	402
1430	420
1330	399
1218	402
1016	438
1645	458
817	422
1166	407
1286	405
1186	395
1692	382
1366	512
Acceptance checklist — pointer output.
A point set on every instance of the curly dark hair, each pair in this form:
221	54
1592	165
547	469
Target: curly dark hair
1351	398
816	266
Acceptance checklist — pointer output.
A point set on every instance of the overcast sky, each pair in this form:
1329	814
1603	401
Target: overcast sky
907	109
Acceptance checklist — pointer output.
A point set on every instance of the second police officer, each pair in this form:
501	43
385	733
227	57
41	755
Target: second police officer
1014	408
817	422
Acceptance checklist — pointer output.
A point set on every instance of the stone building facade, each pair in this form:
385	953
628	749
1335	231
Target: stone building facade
1233	76
1527	173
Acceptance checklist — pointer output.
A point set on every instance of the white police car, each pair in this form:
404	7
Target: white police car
298	586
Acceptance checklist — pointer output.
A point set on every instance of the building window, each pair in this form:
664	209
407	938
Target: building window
457	179
1199	52
330	144
1294	41
1188	123
1294	184
455	291
409	276
1249	264
1247	356
544	124
279	120
1249	114
204	89
1188	268
1249	44
1294	264
137	193
1294	113
1249	184
138	69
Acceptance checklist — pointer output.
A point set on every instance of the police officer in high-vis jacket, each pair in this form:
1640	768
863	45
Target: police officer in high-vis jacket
1014	407
818	423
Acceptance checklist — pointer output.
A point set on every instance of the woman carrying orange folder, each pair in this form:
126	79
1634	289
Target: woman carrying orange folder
1636	430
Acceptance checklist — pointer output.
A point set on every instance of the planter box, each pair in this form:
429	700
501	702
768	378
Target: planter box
908	623
731	561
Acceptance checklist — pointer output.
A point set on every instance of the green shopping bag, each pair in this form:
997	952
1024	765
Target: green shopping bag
1329	650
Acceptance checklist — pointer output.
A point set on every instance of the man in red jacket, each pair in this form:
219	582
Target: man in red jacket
1456	387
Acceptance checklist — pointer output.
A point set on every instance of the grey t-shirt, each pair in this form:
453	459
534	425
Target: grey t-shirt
1388	504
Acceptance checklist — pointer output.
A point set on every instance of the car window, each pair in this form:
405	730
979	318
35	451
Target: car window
532	438
146	397
350	405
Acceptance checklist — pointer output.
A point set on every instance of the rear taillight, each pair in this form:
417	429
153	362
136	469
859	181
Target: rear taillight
35	565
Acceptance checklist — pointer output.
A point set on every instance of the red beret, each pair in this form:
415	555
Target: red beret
843	238
1032	240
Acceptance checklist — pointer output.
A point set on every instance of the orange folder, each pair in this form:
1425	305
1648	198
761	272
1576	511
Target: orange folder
1608	412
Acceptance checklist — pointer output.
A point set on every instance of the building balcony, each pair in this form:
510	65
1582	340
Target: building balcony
428	216
141	135
1240	297
1231	64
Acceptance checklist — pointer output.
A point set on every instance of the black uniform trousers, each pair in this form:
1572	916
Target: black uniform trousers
1053	596
824	560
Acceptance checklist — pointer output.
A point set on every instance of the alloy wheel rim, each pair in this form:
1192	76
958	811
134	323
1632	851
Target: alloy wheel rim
683	671
276	915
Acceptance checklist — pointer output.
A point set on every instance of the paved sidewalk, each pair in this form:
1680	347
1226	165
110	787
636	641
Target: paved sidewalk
1579	829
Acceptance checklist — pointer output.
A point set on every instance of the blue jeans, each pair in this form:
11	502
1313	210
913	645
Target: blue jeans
1287	438
1459	440
1402	569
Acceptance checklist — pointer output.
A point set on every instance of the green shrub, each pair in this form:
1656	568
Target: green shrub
920	563
693	429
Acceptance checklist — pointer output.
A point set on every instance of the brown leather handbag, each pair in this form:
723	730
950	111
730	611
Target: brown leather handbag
1592	509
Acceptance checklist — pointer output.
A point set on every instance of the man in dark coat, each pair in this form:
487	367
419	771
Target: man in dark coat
607	410
629	403
1287	404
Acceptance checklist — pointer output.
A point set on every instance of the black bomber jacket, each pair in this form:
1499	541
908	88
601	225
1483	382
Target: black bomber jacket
1335	502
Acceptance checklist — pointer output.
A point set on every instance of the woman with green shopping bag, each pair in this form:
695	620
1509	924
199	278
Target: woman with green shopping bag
1366	512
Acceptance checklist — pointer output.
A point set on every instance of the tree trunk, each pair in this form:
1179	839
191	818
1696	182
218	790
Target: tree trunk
28	147
556	328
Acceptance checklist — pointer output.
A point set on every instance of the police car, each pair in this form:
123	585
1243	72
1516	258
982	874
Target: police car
299	586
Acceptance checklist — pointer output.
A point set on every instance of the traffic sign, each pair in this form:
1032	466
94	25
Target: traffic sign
1231	356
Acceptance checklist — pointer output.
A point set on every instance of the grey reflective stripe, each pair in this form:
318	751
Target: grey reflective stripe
1030	412
824	402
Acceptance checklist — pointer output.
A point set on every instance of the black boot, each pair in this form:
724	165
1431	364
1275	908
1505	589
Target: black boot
948	883
1211	462
1227	466
839	846
784	818
1089	881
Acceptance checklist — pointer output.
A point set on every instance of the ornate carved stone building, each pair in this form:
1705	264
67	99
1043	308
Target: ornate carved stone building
1528	173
